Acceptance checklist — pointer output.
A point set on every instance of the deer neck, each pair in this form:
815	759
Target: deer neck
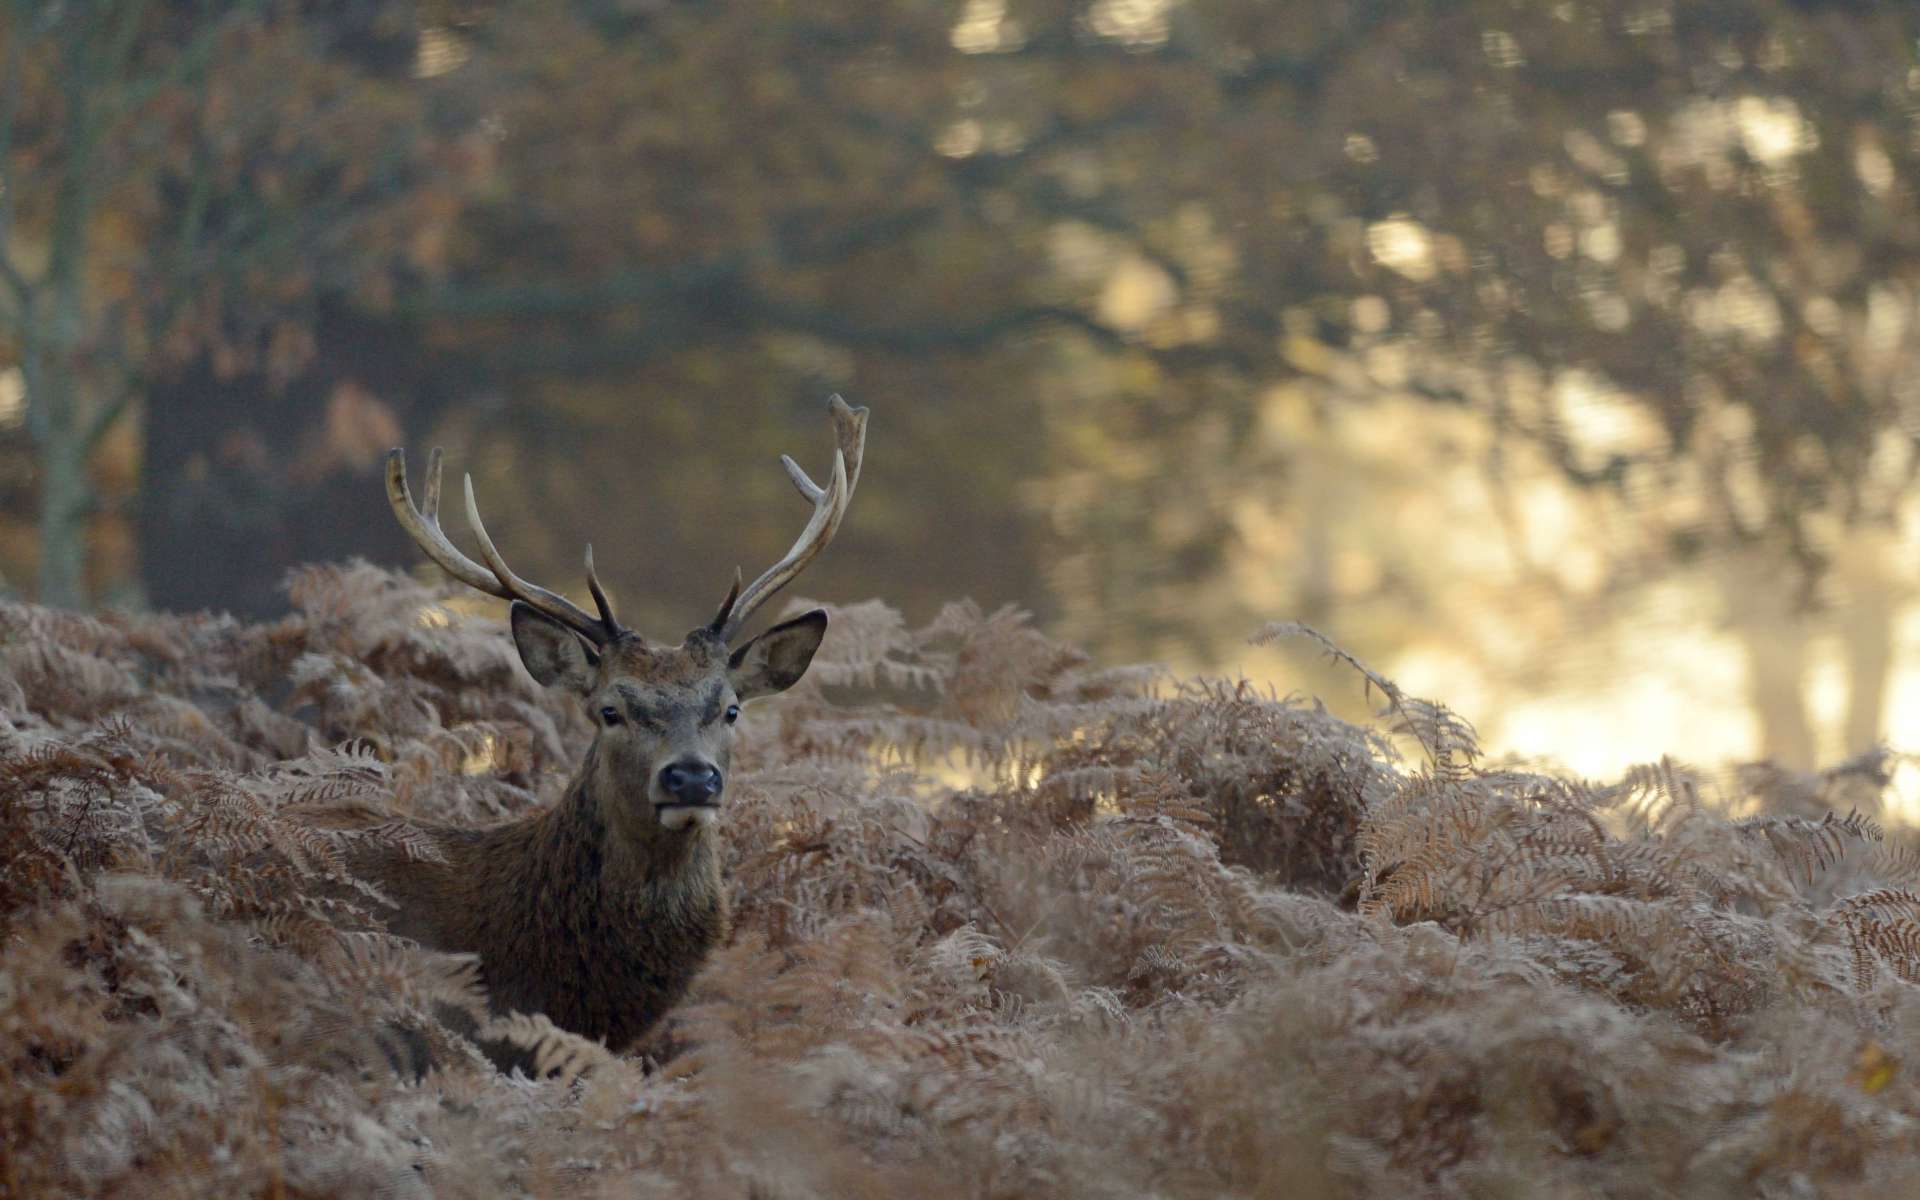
606	833
575	916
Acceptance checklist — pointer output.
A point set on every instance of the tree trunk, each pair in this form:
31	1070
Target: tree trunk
1762	612
66	495
1869	566
241	482
52	333
1777	666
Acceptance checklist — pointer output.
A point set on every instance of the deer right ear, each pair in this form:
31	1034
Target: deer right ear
551	652
775	661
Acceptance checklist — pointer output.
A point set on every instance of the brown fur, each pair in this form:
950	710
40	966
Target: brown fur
594	912
606	954
599	912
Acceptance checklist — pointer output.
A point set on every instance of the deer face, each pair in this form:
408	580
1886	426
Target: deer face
665	716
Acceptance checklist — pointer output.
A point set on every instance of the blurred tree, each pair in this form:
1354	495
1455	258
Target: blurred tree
629	291
177	182
702	220
1115	274
1671	246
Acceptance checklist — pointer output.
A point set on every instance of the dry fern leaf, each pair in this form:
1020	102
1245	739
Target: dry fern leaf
868	645
1451	745
1812	845
1897	862
1882	925
365	964
554	1051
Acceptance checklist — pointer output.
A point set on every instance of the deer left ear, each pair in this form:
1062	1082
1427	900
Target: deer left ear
775	661
552	654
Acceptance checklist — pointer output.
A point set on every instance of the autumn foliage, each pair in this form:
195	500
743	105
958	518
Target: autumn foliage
1009	923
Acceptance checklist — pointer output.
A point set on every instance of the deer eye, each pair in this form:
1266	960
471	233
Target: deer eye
610	715
733	713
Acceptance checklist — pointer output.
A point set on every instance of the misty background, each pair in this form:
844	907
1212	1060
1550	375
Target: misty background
1557	358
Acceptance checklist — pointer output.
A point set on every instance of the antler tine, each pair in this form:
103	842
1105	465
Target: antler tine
534	596
819	530
600	600
809	490
829	506
431	509
424	527
850	431
718	625
422	523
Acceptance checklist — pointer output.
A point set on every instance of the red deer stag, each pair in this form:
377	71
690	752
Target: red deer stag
598	911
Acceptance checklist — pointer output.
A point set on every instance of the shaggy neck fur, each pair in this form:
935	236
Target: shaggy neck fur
597	918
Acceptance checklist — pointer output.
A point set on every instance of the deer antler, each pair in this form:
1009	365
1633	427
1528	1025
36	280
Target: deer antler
496	578
829	506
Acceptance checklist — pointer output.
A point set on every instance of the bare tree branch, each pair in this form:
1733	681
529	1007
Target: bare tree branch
10	272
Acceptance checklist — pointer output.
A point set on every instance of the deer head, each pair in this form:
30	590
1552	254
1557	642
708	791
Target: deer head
664	714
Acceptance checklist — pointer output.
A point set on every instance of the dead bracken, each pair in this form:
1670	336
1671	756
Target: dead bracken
1005	923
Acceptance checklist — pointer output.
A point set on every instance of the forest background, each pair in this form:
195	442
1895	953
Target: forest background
1558	358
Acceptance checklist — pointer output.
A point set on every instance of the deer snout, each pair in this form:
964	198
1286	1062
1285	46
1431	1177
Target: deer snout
690	781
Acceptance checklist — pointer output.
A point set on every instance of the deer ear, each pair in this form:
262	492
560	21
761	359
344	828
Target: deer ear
551	652
775	661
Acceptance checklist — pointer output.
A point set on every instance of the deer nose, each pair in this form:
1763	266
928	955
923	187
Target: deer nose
690	782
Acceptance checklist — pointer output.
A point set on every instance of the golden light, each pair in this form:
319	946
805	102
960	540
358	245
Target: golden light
13	397
1402	244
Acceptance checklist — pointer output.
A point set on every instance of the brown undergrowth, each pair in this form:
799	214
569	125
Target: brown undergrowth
1008	924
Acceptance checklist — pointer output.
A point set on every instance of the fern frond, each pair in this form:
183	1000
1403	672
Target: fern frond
1813	845
555	1052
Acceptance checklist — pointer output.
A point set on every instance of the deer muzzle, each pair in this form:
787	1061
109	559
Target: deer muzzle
690	793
